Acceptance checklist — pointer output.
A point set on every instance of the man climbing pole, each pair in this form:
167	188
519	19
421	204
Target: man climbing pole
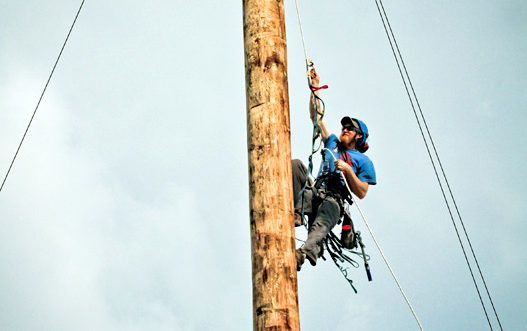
323	202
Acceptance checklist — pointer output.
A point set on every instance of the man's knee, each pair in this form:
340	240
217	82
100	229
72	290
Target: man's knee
297	164
329	212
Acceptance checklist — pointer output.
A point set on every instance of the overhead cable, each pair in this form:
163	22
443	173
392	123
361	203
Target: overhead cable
42	95
405	77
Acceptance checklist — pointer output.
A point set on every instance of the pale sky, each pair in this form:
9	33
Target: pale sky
127	208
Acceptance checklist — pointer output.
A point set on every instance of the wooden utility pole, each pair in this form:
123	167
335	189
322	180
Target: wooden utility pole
275	294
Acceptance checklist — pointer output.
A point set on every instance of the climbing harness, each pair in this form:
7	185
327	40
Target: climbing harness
348	236
340	250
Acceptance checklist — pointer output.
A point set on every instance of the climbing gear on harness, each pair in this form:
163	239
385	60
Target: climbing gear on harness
319	115
348	238
340	256
337	250
366	264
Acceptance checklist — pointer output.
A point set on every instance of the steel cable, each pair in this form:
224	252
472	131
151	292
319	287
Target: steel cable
433	163
441	165
41	95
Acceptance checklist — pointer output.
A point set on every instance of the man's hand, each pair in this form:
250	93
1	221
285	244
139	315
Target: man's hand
357	186
314	106
315	80
343	166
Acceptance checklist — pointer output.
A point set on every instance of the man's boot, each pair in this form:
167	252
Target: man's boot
299	220
300	258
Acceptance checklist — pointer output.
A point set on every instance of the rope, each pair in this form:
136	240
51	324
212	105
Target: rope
439	161
301	33
378	246
384	257
316	127
42	95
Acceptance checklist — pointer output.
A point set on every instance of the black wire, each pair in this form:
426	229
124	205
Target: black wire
431	159
42	95
440	165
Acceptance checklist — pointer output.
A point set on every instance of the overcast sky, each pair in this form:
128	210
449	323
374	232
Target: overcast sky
127	208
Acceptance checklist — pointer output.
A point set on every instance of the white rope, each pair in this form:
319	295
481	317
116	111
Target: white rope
377	244
384	258
301	33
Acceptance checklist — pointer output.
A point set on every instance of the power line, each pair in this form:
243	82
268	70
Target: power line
441	167
42	95
439	161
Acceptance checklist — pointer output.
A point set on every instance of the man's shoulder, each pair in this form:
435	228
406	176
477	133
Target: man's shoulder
363	158
332	141
365	168
333	138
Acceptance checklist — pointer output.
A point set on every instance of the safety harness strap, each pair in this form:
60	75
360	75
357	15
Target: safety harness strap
345	157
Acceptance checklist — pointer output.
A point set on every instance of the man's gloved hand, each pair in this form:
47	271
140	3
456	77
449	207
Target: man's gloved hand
342	166
315	80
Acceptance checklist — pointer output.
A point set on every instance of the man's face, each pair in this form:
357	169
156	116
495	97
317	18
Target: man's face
348	136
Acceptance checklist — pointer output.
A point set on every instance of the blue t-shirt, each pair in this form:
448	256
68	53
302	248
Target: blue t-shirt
360	163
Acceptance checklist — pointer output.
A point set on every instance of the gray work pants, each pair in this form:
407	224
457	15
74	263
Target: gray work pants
322	209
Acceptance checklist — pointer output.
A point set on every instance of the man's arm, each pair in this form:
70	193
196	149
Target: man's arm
315	116
357	186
